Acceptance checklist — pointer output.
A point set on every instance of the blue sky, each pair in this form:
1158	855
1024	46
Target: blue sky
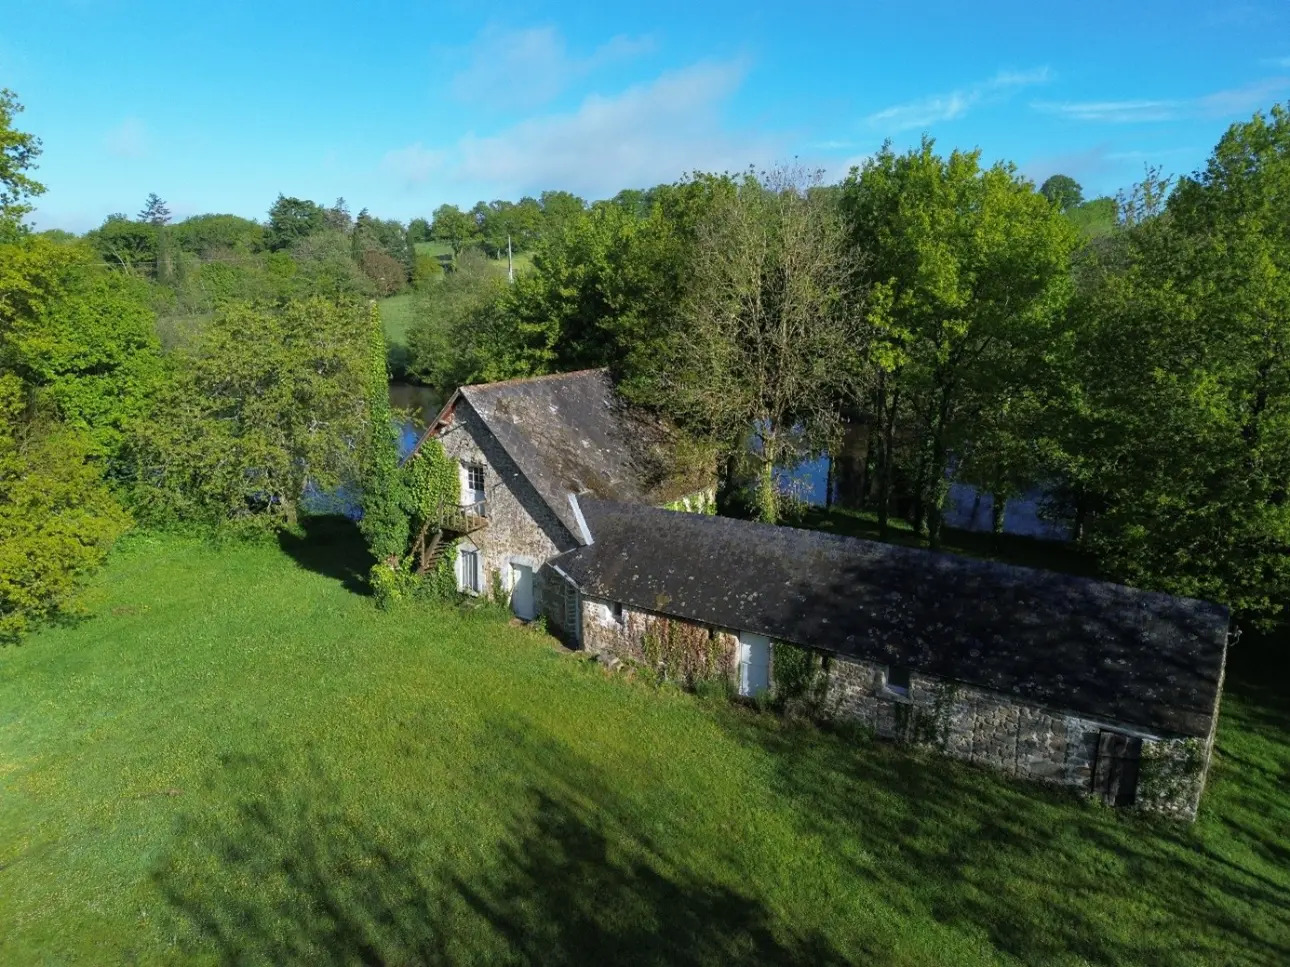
400	106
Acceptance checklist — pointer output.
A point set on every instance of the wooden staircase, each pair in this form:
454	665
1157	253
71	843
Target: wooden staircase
449	523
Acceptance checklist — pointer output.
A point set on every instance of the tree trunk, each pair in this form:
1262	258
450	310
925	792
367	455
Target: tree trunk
998	508
939	486
767	496
887	457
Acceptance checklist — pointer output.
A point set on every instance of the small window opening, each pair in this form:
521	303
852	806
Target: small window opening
475	482
898	680
618	611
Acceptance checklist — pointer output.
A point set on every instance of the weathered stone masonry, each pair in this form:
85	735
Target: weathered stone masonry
998	731
521	528
958	720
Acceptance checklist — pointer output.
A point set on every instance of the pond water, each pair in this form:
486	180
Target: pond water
415	407
966	507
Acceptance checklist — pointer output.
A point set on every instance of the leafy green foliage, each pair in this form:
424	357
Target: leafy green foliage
385	523
455	227
291	220
1063	191
83	337
57	516
267	400
455	329
1183	347
155	211
969	272
18	154
128	245
1094	218
208	236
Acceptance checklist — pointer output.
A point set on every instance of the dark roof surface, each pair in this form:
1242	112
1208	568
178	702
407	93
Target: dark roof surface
1104	650
570	434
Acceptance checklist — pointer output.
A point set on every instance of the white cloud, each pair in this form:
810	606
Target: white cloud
129	139
525	68
1220	104
946	107
645	135
1115	112
414	164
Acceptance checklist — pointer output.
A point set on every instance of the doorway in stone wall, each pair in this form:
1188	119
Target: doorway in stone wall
522	591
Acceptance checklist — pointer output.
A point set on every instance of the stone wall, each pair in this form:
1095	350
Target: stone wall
967	723
994	730
678	650
521	527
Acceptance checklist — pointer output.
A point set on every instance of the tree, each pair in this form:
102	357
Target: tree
768	335
560	206
386	274
131	246
456	336
1183	347
18	154
1094	218
970	275
82	338
155	211
338	218
209	236
57	517
322	264
418	231
291	220
454	227
268	401
1063	191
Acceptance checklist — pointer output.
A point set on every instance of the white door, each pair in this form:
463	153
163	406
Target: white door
522	591
754	664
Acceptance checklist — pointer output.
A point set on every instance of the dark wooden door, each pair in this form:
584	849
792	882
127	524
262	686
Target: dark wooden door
1115	774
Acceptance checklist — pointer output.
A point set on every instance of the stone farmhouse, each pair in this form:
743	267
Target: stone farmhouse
577	515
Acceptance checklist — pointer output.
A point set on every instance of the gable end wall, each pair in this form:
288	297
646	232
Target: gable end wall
521	527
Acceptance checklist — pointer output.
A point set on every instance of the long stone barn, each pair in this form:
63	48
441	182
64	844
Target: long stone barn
1039	675
1092	685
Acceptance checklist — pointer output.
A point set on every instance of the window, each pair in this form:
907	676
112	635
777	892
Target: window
618	611
468	570
475	482
898	680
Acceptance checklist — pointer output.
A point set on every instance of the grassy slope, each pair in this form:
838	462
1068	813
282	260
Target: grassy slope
240	759
396	317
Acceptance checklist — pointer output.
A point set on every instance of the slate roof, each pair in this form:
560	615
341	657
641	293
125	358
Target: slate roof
569	433
1103	650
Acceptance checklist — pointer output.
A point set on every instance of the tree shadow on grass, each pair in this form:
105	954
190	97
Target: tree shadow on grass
330	545
291	876
1048	877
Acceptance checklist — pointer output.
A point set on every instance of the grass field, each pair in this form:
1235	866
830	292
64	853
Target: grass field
239	759
397	313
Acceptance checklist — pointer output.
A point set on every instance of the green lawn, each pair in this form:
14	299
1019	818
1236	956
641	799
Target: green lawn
239	759
397	316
